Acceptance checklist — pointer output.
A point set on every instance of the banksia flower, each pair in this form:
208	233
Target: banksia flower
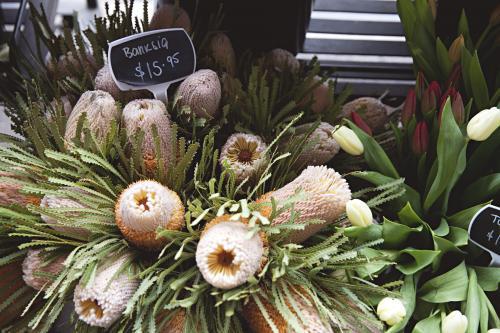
372	111
326	196
11	283
222	52
170	16
100	109
102	301
37	271
201	91
226	256
144	207
104	81
282	60
321	95
324	148
70	65
142	114
175	324
245	155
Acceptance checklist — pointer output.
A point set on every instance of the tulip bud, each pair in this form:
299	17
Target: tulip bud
433	8
455	50
430	98
348	140
495	16
483	124
356	118
409	107
419	84
454	77
391	310
420	140
359	213
494	330
454	322
457	107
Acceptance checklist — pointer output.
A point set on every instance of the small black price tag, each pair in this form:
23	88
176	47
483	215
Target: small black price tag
484	230
152	60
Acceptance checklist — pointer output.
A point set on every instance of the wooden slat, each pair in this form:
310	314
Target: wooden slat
362	6
356	27
357	60
376	87
9	11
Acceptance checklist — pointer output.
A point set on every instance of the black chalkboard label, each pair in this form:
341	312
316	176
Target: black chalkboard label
484	229
152	60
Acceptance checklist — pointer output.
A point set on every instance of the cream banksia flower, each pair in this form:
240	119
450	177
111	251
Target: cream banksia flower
324	148
226	256
144	207
36	270
175	324
142	114
321	96
245	155
102	301
201	92
326	191
222	52
104	81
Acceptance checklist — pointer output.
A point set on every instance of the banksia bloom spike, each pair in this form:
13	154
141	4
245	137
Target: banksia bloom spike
326	196
102	301
104	81
282	60
245	155
226	256
70	65
320	147
321	96
36	270
222	52
142	114
100	109
201	91
170	16
372	111
144	207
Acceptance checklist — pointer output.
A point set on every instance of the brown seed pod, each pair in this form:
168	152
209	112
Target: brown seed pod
222	52
170	16
101	110
201	91
282	60
320	148
104	81
321	96
142	114
34	266
372	110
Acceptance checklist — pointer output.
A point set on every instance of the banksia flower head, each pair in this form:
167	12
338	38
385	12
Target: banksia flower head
320	148
371	110
201	91
143	207
420	141
409	107
245	155
326	196
102	301
70	65
142	114
321	95
37	271
222	52
282	60
226	256
175	324
170	16
100	109
104	81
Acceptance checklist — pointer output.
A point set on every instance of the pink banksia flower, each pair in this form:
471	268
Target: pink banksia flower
320	147
102	300
222	52
104	81
202	93
326	194
282	60
321	96
144	207
38	270
170	16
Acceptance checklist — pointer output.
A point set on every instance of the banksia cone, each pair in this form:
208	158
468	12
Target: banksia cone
175	324
142	114
326	196
36	270
282	60
143	207
10	194
320	147
245	155
104	81
371	110
225	256
70	65
102	301
100	109
222	52
170	16
321	96
62	103
201	91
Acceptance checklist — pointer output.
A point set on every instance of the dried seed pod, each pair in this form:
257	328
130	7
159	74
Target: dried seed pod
326	196
10	194
102	301
282	60
142	114
143	207
36	269
320	148
321	96
226	256
372	110
170	16
104	81
245	155
201	91
222	52
100	109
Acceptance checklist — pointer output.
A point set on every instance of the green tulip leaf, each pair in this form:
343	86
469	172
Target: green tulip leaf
462	218
443	58
443	246
364	234
478	83
483	189
465	60
424	16
406	11
429	324
478	162
448	287
463	29
411	261
396	234
408	292
488	277
458	236
443	229
473	305
408	216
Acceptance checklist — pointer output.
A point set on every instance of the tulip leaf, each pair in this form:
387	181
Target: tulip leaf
458	236
465	60
448	287
424	15
364	234
418	56
495	99
406	11
443	229
488	277
429	324
443	58
463	29
473	305
395	234
408	292
449	145
411	261
444	246
462	218
483	189
478	83
479	160
459	169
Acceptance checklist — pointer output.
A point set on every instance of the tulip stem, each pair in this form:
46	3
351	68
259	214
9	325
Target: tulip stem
483	36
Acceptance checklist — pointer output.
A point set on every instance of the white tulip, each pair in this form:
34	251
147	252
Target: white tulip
494	330
483	124
391	310
454	322
348	140
359	213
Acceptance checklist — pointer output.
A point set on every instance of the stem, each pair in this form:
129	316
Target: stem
483	36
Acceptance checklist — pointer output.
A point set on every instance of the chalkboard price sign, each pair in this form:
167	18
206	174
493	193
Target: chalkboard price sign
152	60
484	230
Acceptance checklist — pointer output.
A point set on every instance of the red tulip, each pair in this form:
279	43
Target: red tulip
420	140
356	118
454	77
409	107
430	98
457	105
420	84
